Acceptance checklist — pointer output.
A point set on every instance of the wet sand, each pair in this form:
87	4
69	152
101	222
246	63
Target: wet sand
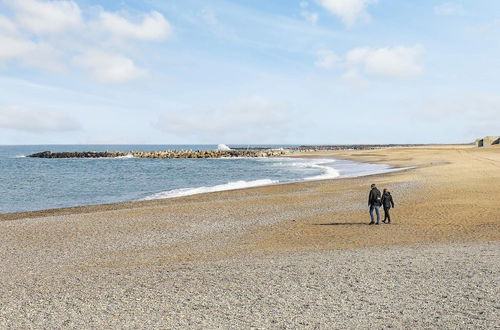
175	259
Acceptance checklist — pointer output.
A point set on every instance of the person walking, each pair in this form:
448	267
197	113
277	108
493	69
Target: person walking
374	202
387	203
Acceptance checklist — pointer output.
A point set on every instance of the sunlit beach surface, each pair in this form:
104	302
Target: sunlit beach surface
293	255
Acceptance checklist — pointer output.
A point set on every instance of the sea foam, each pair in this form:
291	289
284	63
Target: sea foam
201	190
223	147
320	164
328	173
125	157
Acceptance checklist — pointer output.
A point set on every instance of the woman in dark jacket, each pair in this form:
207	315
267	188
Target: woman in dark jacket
387	203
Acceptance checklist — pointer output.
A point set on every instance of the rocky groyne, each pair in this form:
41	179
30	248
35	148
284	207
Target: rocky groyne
164	154
234	152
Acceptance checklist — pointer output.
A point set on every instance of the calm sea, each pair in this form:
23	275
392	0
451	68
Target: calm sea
28	184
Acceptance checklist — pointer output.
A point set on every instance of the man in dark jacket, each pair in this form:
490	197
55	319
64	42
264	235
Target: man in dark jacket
374	202
387	203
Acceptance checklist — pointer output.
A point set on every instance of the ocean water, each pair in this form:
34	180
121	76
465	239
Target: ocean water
28	184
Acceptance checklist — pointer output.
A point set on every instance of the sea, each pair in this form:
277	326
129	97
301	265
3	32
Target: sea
28	184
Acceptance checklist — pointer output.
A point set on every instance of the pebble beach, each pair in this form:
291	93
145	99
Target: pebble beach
299	255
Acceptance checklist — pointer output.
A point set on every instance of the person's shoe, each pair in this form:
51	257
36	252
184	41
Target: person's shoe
384	221
378	223
371	223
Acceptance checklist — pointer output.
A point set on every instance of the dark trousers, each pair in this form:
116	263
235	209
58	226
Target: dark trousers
387	215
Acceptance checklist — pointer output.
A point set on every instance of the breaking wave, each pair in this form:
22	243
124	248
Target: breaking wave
223	147
316	164
125	157
201	190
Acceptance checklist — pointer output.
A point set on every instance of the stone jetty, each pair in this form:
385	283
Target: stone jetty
164	154
233	152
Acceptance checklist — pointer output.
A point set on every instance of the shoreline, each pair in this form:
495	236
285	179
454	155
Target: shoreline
429	166
82	209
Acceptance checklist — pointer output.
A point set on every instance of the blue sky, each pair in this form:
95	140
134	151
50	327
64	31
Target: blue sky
319	71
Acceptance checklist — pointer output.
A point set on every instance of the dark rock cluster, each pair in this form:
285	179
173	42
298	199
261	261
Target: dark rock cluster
78	154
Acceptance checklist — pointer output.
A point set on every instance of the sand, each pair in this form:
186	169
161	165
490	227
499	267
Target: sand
296	255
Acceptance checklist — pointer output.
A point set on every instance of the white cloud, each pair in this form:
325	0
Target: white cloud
349	11
392	62
236	122
45	57
356	80
7	26
327	59
12	43
153	26
15	45
54	35
397	62
475	107
36	121
311	17
47	17
108	67
12	47
303	4
449	9
476	112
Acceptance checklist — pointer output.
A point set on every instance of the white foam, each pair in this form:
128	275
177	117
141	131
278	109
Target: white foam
328	172
223	147
382	170
201	190
125	157
20	156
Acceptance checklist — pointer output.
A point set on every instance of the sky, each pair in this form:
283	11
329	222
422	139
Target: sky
249	71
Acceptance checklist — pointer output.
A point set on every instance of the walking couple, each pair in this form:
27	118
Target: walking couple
375	200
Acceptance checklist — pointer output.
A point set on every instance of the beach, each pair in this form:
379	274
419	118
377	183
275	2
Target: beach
281	256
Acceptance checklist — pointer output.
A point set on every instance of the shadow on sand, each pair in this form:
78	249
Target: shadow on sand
341	224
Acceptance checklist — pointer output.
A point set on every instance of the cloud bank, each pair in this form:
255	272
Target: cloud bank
152	27
237	121
36	120
391	62
47	17
349	11
52	35
108	67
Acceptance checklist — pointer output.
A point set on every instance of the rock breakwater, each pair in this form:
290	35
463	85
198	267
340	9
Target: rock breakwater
164	154
233	152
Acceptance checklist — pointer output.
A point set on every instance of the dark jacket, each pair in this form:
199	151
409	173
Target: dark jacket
387	201
375	197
